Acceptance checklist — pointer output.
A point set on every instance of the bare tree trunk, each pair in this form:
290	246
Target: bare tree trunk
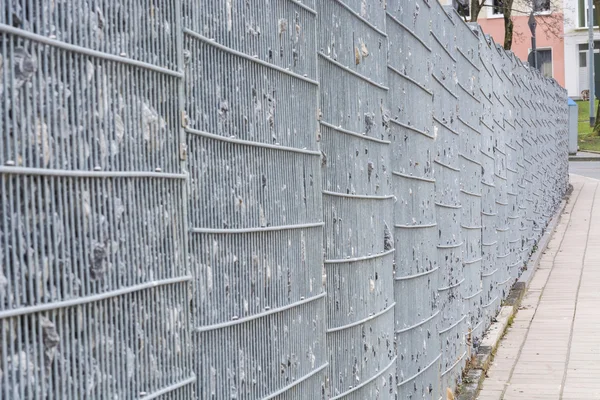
508	32
475	9
508	24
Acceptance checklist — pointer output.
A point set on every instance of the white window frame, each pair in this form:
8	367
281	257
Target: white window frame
596	49
585	15
579	52
548	11
491	14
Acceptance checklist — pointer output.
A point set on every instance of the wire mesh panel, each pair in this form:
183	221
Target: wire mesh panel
538	140
468	72
547	150
527	222
447	195
357	200
560	118
548	137
415	224
520	109
557	120
542	148
550	144
94	281
532	162
512	215
500	172
555	188
131	29
254	199
489	271
539	136
279	32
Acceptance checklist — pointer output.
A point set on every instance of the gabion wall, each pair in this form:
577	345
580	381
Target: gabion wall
287	199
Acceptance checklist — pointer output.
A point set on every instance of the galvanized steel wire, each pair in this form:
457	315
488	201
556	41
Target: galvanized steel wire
292	199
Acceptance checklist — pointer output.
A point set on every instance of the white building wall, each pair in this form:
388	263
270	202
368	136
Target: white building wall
572	65
576	78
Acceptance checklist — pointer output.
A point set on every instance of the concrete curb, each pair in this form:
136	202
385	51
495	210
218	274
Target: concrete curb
474	376
574	157
584	158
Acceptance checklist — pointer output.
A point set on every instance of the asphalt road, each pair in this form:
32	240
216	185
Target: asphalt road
591	169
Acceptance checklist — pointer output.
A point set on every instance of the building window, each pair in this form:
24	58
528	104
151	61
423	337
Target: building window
544	59
497	8
541	5
463	9
583	14
582	59
584	46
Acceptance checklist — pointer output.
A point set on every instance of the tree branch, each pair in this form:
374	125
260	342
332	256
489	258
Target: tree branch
511	9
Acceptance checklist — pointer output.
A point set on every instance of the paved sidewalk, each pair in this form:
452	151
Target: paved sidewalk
552	349
591	169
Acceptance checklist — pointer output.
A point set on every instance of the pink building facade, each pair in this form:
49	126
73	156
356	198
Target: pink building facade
551	47
550	32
